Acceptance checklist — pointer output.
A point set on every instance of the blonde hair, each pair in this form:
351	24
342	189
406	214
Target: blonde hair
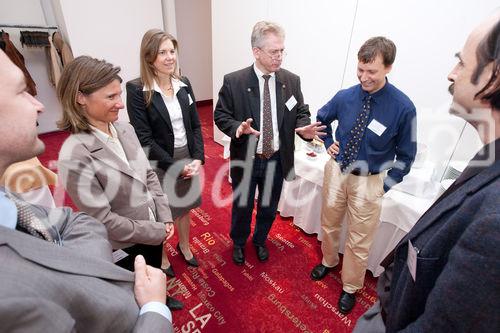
82	75
150	46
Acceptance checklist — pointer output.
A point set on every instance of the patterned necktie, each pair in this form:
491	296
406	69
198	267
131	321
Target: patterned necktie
351	151
267	121
28	222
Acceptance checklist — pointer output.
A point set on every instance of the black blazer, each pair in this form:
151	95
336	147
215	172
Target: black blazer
457	286
239	99
153	126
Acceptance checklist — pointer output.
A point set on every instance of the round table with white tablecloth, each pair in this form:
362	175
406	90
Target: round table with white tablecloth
402	206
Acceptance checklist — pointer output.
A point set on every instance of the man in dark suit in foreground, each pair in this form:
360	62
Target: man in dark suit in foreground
444	275
260	108
56	271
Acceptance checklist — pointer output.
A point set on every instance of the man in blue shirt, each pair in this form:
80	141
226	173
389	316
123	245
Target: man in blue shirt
56	272
376	133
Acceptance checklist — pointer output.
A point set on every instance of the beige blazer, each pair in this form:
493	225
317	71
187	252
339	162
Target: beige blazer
118	195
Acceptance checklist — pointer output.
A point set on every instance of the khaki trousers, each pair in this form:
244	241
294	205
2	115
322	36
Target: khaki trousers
360	197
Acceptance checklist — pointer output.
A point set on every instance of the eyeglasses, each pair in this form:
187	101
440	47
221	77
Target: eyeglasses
274	54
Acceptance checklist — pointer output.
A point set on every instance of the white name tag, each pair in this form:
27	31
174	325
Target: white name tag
190	99
119	255
376	127
291	103
411	261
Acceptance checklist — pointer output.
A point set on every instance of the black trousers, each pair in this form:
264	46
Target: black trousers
152	254
267	176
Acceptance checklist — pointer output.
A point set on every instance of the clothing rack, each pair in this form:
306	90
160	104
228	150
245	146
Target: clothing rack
22	26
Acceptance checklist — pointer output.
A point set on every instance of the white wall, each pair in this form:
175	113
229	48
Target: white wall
194	34
427	35
30	12
323	38
111	30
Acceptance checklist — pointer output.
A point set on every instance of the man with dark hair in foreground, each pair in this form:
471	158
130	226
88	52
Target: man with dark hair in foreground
444	275
56	271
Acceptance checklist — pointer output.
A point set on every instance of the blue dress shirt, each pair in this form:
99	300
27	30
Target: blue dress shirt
395	148
8	211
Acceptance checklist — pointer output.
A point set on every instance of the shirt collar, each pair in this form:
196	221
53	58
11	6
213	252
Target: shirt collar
176	86
259	73
104	137
376	94
8	209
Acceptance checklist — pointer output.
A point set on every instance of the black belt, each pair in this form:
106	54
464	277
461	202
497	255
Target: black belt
262	157
358	172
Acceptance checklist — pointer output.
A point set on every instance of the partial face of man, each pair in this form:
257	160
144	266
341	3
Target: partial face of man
464	103
269	56
371	75
18	115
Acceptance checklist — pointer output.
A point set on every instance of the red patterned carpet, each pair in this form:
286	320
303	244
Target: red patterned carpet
276	296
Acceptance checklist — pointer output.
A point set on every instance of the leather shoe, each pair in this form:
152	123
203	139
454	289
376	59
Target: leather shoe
262	252
238	255
346	302
174	304
191	262
169	271
319	272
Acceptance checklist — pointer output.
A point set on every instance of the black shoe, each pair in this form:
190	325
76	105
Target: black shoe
319	272
169	271
174	304
238	255
262	252
346	302
191	262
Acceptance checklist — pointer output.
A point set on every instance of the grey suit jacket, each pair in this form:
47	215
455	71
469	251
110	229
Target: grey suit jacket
118	195
46	287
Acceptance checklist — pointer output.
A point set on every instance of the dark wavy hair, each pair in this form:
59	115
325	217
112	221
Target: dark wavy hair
488	51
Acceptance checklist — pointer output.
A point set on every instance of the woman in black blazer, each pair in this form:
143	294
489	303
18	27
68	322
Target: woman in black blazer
162	108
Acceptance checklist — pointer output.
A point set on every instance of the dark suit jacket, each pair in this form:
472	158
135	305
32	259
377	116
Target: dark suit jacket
75	287
457	286
239	99
153	126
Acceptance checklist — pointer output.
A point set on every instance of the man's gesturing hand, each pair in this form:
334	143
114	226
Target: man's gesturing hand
246	128
150	283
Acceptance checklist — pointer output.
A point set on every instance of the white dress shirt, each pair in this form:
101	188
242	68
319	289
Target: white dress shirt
174	111
112	142
272	92
157	307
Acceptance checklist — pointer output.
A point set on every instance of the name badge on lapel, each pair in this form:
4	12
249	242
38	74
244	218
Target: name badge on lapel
377	127
411	261
291	103
190	99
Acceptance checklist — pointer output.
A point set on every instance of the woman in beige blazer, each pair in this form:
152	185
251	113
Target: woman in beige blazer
103	167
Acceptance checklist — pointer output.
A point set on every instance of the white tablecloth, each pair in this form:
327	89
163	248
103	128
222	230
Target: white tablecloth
302	200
